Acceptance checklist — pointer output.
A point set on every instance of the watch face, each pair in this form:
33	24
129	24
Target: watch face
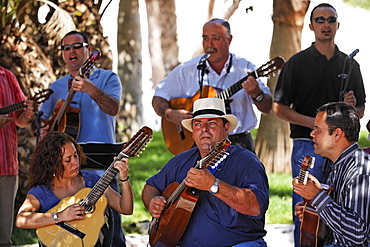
214	188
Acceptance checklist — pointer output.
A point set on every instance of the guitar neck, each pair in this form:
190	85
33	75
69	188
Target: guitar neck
12	108
102	184
233	89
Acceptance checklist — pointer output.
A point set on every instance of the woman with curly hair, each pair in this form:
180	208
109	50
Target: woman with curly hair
55	174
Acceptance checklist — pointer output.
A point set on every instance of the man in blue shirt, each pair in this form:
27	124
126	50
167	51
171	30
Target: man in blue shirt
233	194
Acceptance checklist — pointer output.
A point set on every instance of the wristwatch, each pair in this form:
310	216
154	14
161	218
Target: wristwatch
55	217
214	187
259	97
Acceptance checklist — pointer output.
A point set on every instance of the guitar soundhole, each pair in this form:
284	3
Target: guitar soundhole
89	209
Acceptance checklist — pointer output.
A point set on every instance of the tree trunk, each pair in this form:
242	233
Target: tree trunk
162	38
129	69
273	144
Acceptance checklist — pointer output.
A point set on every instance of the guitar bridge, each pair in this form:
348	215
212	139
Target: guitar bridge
71	229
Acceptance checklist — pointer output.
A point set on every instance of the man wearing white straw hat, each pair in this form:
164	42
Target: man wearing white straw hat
233	192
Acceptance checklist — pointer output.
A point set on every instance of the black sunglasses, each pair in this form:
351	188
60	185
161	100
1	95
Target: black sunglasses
77	45
321	19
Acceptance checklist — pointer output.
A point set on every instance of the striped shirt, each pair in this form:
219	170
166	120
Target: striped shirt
346	210
10	93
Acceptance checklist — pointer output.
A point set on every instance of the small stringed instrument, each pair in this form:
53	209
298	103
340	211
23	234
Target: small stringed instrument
314	233
86	232
181	200
66	118
179	139
39	97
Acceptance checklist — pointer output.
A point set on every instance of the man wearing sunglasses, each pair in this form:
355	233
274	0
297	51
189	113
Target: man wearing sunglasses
310	79
97	97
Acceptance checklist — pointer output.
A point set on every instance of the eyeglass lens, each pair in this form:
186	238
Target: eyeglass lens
77	45
330	19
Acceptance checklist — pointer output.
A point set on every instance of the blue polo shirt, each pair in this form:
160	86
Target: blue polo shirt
213	222
96	126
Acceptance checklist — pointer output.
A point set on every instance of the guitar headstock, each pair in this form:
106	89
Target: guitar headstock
90	63
308	163
42	96
216	155
271	66
138	142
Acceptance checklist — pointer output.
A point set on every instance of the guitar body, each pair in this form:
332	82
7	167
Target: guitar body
174	219
179	139
70	120
314	233
54	235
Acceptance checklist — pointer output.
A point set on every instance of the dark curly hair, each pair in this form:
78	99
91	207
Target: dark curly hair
46	161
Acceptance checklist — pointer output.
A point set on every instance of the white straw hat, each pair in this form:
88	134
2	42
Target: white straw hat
210	108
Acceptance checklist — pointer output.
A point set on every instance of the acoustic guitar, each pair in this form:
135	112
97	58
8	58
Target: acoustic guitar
181	200
313	232
179	139
85	232
66	117
38	97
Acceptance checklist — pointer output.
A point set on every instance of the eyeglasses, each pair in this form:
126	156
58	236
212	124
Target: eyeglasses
75	46
321	19
317	129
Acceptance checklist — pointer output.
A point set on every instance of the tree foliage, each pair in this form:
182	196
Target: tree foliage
365	4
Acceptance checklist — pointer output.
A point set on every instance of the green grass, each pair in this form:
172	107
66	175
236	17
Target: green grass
154	158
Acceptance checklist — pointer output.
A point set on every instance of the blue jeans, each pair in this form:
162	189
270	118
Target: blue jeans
301	148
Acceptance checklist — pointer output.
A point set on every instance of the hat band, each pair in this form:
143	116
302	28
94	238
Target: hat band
208	111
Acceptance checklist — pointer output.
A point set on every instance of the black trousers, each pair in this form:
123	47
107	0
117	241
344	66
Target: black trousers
244	140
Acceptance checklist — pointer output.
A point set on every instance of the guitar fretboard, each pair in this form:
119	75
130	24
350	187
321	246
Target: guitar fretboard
233	89
11	108
101	185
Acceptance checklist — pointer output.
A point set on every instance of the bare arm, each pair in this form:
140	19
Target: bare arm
25	116
124	203
288	114
350	98
106	102
28	217
153	200
241	199
252	88
163	109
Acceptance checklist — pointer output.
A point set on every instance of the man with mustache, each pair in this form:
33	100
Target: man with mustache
310	79
221	70
233	192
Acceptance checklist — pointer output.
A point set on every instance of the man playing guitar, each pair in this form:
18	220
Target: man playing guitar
346	210
221	69
233	194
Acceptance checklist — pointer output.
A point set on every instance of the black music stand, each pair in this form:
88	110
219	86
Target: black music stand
100	155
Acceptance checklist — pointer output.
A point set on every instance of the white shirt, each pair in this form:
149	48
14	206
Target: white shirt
183	82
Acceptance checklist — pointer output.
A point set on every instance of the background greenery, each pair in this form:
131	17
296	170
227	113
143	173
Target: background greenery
154	158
